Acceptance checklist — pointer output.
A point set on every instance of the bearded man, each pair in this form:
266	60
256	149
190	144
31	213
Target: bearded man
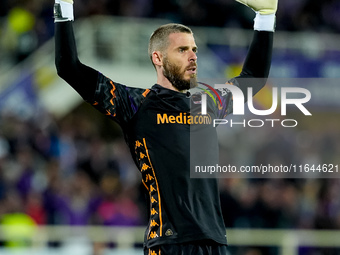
158	123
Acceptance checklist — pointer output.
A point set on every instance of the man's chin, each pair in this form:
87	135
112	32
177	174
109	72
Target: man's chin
183	84
193	83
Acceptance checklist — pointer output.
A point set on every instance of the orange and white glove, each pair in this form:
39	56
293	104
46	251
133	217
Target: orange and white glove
63	10
265	13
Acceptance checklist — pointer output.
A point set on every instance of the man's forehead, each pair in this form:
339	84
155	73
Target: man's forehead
181	39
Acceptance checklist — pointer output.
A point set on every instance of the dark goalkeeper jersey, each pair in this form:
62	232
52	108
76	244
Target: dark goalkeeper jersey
159	126
167	135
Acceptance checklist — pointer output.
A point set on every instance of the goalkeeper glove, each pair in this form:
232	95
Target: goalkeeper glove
265	13
264	7
63	10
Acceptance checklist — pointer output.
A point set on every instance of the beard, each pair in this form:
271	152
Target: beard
173	73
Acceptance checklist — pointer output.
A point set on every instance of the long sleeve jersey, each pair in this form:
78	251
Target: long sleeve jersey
163	129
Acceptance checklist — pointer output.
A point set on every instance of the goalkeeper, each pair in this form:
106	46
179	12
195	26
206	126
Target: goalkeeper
184	213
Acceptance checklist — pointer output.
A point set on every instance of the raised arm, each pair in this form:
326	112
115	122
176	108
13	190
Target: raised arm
258	60
81	77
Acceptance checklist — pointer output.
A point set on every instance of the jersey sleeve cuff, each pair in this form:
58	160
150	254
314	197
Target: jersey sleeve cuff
63	11
264	22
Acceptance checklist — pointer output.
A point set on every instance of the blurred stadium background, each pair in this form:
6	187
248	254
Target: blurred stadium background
67	183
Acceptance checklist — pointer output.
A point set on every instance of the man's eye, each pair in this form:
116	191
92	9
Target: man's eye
181	50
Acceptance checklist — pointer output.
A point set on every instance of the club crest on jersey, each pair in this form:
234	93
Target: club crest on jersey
169	232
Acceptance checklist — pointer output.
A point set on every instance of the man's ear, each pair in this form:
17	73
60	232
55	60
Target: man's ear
157	58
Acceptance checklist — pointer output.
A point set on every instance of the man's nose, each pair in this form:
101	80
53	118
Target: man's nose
193	57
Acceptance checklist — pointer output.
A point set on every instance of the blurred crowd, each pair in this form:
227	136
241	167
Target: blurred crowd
307	201
26	24
65	173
